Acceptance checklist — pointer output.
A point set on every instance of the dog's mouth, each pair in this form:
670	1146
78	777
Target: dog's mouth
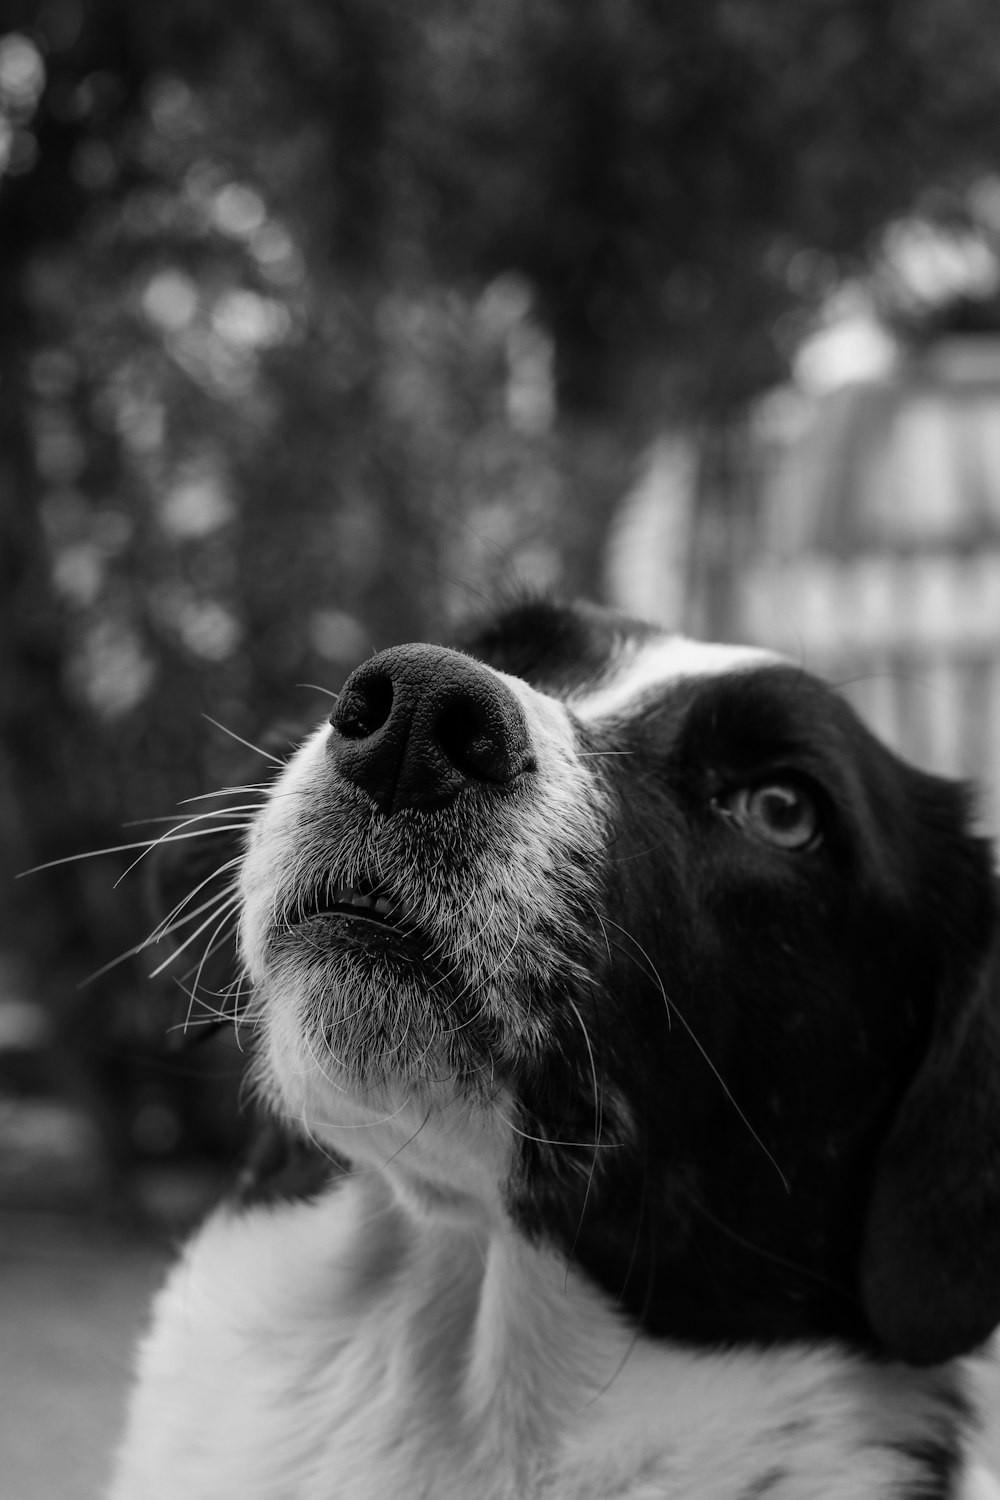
367	915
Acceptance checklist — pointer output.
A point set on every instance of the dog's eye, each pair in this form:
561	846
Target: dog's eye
779	813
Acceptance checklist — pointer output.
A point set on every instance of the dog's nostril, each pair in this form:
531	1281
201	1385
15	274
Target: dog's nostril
418	724
480	748
363	707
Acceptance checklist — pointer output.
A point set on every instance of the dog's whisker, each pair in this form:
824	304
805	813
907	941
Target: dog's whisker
227	907
475	936
409	1139
327	1077
224	926
647	966
598	1120
186	819
672	1010
227	929
178	835
638	854
808	1272
604	933
142	947
183	912
602	754
146	845
484	983
260	789
257	750
212	1019
551	1140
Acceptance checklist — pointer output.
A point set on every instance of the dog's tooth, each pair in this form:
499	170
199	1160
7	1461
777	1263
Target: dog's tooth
392	908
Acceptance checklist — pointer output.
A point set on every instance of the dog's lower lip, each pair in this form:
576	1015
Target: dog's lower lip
368	920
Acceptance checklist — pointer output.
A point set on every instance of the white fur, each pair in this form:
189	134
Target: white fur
350	1348
980	1484
640	670
511	883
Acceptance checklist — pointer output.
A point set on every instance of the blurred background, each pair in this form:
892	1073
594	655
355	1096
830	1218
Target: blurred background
327	323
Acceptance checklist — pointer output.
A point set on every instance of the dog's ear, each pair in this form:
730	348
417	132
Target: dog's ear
930	1268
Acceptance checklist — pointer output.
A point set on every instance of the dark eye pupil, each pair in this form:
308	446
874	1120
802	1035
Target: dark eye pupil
783	815
781	808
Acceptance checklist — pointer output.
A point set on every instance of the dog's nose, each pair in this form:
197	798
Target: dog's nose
416	724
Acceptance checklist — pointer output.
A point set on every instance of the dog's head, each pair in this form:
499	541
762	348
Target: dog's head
652	949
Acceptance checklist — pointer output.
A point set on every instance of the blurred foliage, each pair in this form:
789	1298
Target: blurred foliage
323	320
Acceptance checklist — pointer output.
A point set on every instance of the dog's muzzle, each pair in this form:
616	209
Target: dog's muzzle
418	724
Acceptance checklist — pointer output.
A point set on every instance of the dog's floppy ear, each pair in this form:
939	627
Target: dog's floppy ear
930	1268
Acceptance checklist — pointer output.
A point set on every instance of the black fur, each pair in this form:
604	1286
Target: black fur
798	1053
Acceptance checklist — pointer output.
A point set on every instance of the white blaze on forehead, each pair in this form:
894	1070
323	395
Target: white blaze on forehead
640	669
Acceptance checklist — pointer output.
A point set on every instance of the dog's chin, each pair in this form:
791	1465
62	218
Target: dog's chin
368	1010
368	1060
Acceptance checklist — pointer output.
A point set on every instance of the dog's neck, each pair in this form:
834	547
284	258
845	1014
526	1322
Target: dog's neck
443	1355
497	1341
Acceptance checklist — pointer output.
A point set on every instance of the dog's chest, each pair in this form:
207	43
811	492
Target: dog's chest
310	1353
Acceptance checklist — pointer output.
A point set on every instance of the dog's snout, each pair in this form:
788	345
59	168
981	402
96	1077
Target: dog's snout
415	725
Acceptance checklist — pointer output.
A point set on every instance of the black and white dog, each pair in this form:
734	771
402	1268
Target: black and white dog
654	1008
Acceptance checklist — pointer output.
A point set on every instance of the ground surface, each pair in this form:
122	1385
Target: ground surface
72	1302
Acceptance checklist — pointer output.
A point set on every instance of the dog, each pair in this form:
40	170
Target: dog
643	1013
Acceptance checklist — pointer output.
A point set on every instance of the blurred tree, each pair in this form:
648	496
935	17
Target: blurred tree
672	179
683	185
50	795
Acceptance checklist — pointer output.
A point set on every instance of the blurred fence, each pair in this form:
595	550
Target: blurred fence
914	642
878	562
862	539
